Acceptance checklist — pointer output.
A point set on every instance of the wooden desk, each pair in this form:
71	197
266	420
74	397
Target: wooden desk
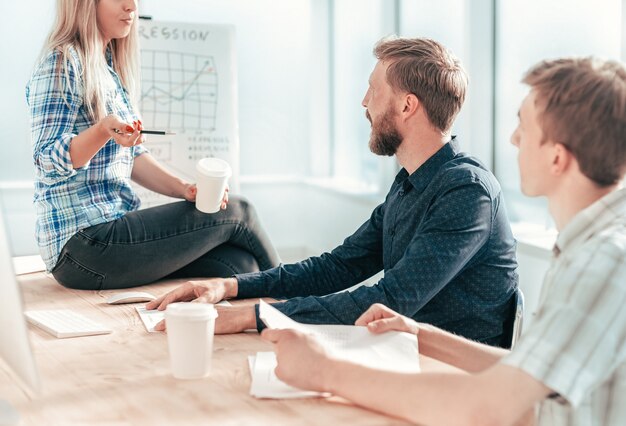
124	378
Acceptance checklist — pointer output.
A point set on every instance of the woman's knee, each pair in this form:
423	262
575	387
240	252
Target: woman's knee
243	208
237	260
223	261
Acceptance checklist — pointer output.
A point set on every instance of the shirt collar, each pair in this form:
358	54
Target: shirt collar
592	219
108	54
421	177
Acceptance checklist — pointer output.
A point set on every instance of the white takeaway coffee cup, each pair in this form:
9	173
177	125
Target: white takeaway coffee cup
190	329
211	178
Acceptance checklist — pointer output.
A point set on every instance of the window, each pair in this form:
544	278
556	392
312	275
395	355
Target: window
467	31
551	29
624	30
356	26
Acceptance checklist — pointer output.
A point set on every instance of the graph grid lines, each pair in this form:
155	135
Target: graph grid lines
179	90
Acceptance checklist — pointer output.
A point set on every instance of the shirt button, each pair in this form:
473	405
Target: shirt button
401	193
392	232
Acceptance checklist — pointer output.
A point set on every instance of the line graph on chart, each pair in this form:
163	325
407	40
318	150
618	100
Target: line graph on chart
179	91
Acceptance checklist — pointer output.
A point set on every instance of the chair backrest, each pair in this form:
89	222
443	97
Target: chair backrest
513	324
519	317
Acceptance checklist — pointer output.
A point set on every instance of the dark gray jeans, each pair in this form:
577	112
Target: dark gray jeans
174	240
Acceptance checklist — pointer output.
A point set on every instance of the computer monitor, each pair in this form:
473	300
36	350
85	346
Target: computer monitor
15	347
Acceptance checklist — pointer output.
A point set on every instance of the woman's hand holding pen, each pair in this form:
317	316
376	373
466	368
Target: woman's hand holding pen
122	133
88	142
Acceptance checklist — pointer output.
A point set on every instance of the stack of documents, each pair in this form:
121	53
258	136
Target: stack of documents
391	351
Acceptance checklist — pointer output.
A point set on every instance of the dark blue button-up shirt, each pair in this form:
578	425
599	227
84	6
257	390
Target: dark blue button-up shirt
444	241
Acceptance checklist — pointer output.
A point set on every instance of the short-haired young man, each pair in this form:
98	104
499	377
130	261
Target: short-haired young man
571	363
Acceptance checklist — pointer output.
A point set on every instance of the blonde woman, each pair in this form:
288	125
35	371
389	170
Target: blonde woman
87	147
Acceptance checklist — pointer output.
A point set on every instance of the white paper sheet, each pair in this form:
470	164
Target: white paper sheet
391	351
150	318
265	384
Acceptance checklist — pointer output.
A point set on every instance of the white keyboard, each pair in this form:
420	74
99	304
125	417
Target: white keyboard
63	323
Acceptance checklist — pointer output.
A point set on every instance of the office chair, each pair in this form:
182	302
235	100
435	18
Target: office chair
519	317
513	325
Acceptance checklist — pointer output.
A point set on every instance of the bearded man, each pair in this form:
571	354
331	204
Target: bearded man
441	236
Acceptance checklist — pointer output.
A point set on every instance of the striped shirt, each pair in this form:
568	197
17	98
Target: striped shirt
68	199
576	344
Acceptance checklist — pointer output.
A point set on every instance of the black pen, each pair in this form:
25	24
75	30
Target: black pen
157	132
147	132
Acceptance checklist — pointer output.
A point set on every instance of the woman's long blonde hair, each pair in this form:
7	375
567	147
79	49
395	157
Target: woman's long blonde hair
76	27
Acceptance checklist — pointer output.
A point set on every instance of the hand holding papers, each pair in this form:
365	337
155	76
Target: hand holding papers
265	384
392	351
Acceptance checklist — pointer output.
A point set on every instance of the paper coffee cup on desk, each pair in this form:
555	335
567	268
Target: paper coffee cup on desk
211	178
190	329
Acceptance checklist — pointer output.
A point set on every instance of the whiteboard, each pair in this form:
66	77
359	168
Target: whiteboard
188	86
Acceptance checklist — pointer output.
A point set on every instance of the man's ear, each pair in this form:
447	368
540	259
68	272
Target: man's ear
410	106
561	160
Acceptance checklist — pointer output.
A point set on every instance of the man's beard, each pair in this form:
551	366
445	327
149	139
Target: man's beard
385	138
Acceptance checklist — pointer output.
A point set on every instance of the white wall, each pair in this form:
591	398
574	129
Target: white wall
22	32
308	217
534	251
533	265
19	216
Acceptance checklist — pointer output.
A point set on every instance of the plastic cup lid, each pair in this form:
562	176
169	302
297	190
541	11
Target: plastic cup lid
214	167
192	311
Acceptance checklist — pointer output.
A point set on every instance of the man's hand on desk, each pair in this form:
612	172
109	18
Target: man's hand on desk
208	291
379	318
231	319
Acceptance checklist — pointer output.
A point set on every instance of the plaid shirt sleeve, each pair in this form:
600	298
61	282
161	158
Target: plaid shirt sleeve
54	102
138	150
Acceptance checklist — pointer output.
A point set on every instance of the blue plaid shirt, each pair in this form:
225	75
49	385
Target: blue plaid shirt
68	199
442	238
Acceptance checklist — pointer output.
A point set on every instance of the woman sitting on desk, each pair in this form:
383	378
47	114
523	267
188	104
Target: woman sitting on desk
87	146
